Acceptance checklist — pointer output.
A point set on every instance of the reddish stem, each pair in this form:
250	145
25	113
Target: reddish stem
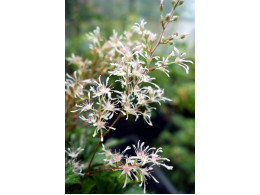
159	42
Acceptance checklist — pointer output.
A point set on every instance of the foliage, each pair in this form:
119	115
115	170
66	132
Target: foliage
70	177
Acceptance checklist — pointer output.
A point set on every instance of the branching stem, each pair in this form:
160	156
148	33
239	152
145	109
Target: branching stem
115	121
164	27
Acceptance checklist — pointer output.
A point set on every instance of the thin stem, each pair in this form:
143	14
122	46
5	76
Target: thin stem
118	117
110	169
127	79
94	153
92	172
159	41
100	105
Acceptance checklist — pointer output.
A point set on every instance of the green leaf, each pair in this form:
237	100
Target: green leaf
70	177
108	182
133	189
111	142
87	185
99	158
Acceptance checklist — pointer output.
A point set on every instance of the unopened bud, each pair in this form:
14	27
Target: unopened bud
171	42
173	2
162	21
163	39
171	37
146	35
167	17
176	34
161	6
184	35
174	18
166	41
181	2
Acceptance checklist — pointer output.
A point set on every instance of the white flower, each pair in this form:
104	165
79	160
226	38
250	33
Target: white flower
110	108
74	153
73	86
107	152
129	53
128	170
119	70
147	117
163	65
179	60
114	39
142	97
92	118
74	59
141	164
158	96
117	157
85	106
141	153
157	159
101	89
100	126
94	36
139	28
129	109
77	167
89	81
150	36
144	174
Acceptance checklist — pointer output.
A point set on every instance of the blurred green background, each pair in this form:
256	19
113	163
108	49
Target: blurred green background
176	120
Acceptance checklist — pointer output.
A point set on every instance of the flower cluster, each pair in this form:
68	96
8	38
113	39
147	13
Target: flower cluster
131	68
125	59
98	107
77	166
139	167
132	72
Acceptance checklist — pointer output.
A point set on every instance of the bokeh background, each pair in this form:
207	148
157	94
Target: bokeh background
173	122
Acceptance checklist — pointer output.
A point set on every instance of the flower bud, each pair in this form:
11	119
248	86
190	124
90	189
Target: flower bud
184	35
181	2
163	39
161	6
167	17
171	42
173	2
146	35
171	37
174	18
166	41
162	21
